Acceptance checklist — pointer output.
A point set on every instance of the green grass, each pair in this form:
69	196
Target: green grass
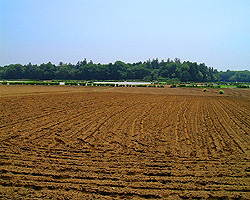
227	86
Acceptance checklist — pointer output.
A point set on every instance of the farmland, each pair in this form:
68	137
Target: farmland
124	143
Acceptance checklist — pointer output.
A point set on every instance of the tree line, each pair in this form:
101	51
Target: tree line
235	76
148	71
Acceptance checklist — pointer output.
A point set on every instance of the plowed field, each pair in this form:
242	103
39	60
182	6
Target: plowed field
124	143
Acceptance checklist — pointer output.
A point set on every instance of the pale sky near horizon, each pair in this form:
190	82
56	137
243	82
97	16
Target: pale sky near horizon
214	32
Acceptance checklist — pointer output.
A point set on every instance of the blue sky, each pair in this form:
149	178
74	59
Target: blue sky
216	32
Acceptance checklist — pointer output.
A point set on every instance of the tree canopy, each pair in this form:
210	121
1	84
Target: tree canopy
148	70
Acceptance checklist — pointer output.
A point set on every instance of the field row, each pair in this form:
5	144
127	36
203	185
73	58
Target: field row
117	145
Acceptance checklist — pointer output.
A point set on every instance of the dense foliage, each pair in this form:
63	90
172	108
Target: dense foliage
147	71
235	76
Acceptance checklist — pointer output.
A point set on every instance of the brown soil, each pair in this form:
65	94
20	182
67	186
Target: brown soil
124	143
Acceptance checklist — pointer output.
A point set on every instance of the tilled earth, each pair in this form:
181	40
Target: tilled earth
124	143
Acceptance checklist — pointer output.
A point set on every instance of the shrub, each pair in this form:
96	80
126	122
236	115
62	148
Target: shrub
205	90
54	83
16	83
221	92
242	86
173	86
82	83
70	83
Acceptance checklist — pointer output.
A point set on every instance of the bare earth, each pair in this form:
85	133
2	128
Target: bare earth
63	142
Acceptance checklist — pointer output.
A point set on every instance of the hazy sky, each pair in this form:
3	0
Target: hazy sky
216	32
